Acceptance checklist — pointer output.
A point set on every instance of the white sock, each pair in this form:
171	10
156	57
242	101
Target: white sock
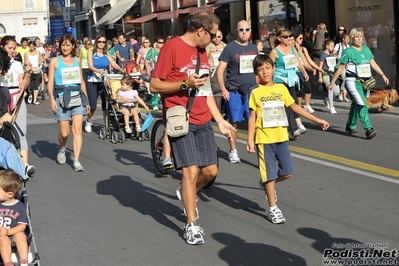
272	208
235	150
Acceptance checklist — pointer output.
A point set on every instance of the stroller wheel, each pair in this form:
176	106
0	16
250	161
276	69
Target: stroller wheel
122	136
103	133
114	137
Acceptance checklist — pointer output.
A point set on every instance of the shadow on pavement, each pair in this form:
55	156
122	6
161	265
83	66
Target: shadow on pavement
143	199
238	252
231	199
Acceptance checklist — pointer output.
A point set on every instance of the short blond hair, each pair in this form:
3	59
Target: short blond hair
355	32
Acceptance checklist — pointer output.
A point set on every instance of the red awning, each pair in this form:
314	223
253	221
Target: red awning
142	19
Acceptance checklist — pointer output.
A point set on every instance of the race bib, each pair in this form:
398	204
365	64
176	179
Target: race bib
331	62
246	63
363	71
216	59
70	75
290	61
85	64
273	114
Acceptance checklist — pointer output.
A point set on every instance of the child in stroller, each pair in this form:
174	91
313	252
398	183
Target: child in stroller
126	94
133	70
14	219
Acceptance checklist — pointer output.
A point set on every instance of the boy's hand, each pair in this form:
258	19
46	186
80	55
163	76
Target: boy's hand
226	128
3	231
323	124
250	146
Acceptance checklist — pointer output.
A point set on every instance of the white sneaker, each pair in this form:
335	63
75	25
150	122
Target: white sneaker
340	98
302	128
347	100
326	103
308	109
138	128
332	110
128	130
276	216
155	108
233	157
36	102
30	99
193	234
88	126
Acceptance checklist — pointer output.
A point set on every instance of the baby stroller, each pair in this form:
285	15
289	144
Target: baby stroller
114	127
136	76
10	158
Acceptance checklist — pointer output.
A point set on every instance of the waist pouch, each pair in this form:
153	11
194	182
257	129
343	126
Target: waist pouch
367	84
76	100
36	70
177	121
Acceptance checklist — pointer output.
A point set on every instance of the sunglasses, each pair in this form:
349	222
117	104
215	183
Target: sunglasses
300	38
341	29
286	36
101	41
218	37
146	42
161	42
244	29
213	35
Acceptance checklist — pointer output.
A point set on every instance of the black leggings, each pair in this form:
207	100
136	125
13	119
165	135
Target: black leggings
35	81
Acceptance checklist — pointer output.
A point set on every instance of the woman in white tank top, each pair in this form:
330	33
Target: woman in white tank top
34	58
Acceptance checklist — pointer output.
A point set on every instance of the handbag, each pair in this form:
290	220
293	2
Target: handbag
177	117
36	70
75	101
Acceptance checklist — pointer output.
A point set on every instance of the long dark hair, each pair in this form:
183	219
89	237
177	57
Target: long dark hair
4	58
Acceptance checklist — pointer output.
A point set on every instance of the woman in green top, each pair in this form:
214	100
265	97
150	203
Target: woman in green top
358	61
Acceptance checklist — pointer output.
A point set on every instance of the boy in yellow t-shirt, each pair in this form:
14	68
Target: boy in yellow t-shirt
267	128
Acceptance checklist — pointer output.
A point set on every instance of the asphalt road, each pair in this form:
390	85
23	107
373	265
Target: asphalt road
120	212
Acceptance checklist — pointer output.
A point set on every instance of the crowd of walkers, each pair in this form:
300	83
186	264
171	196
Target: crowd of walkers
239	81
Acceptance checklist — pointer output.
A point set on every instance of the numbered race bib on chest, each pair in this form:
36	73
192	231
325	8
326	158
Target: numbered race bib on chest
246	63
331	62
215	59
363	71
290	61
273	114
85	64
70	75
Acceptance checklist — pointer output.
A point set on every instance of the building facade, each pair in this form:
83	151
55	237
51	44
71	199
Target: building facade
25	18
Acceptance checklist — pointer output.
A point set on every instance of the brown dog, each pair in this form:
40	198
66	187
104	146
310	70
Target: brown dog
383	99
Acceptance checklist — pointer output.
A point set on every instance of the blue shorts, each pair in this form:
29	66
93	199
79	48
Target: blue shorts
198	147
268	154
237	107
65	114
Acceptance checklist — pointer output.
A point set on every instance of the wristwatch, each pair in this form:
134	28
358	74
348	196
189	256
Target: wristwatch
184	85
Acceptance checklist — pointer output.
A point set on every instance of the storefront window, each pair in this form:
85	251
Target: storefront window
273	15
377	20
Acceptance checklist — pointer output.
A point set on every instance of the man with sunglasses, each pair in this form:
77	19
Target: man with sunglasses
196	152
236	59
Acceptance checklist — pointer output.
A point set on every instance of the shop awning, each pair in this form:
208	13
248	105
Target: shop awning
100	3
81	17
223	2
142	19
115	13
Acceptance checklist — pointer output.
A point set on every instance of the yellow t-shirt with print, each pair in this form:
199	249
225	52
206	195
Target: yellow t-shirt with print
22	51
277	93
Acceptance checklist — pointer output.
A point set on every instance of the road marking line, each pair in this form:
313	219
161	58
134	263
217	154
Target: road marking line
340	160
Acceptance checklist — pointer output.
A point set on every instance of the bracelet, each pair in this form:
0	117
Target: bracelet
382	74
220	120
